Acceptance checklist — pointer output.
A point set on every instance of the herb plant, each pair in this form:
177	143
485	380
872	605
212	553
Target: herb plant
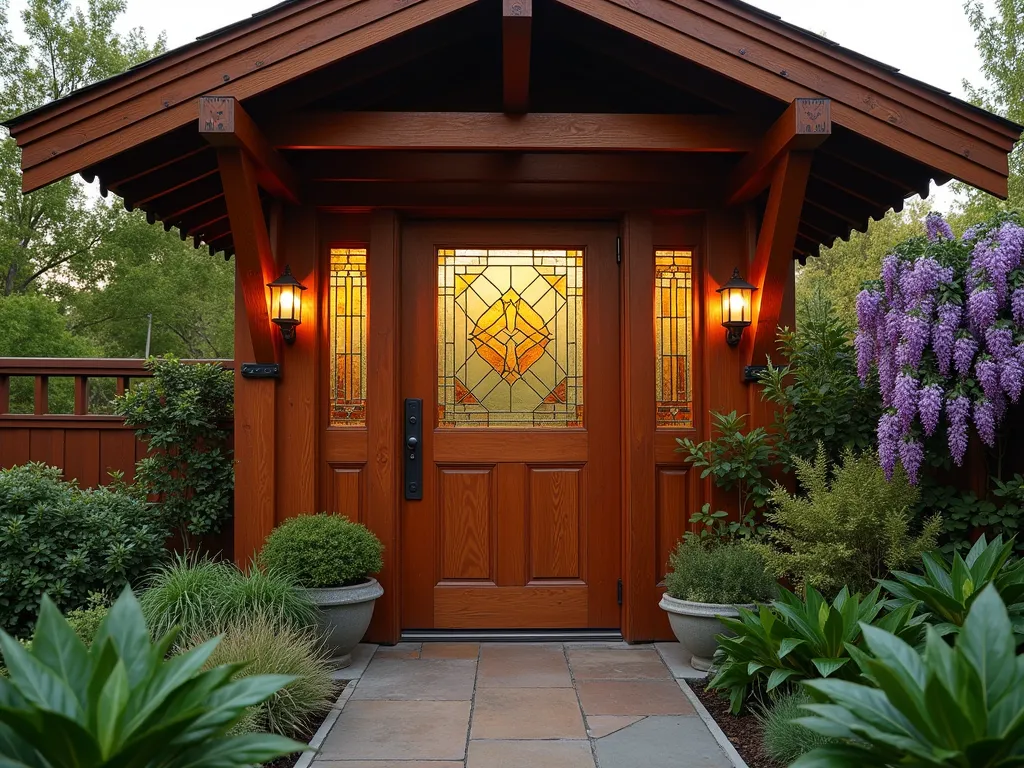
323	551
726	574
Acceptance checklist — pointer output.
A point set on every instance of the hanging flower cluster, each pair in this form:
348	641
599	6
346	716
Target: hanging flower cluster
944	327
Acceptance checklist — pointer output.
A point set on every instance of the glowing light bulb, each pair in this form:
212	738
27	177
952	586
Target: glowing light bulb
737	305
287	302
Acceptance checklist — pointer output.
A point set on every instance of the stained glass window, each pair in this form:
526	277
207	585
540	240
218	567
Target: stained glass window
510	337
348	337
673	328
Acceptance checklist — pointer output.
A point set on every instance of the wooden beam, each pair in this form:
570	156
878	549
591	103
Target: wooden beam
252	247
224	123
493	131
804	125
516	22
773	258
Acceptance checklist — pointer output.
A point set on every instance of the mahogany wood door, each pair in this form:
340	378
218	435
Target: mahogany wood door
510	335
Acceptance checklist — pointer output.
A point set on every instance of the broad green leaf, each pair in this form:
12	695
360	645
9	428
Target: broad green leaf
827	667
35	681
896	654
986	639
838	756
788	645
951	726
57	646
112	703
835	634
778	677
938	572
125	626
248	749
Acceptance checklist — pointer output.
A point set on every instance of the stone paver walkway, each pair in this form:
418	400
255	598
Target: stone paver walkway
551	705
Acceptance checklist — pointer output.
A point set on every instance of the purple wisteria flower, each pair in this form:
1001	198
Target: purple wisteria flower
999	342
891	279
865	344
889	433
970	233
987	372
1011	378
964	349
916	332
1017	305
886	376
998	254
935	227
943	335
958	409
911	457
982	308
905	399
929	407
985	421
868	302
922	278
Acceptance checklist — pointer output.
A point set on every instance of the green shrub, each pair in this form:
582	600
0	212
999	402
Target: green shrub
948	591
782	739
960	706
66	542
86	621
793	639
124	702
203	597
323	551
183	413
730	573
268	649
850	529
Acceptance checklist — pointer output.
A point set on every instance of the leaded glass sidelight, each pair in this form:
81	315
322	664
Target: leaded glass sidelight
510	337
347	311
673	328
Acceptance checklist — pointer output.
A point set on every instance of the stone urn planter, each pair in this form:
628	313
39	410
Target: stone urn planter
695	626
345	614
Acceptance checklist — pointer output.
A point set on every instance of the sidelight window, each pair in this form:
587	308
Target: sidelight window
673	328
347	310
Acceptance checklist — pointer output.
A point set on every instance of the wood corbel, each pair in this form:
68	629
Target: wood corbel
253	253
804	125
773	258
516	23
225	124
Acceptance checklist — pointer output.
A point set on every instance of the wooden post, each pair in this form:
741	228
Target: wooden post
638	566
42	396
5	394
81	395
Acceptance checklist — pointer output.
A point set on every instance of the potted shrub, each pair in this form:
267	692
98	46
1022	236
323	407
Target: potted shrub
331	558
707	581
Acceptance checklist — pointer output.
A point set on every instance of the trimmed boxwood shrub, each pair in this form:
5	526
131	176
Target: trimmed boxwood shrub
58	539
323	551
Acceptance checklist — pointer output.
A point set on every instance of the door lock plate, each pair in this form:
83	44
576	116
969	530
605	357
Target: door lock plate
412	447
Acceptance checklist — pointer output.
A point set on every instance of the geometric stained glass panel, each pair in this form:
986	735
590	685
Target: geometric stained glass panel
347	310
510	337
673	328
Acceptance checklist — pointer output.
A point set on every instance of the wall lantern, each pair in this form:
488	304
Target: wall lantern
286	304
736	295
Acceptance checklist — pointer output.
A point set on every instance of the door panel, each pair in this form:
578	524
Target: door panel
510	338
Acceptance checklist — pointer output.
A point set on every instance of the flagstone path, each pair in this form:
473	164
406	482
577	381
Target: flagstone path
550	705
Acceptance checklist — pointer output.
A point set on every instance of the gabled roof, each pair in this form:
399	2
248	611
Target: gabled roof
894	133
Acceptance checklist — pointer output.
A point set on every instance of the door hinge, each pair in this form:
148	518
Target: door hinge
618	252
618	591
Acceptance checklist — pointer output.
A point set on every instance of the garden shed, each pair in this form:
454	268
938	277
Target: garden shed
494	256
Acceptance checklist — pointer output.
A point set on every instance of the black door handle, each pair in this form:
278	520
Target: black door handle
413	454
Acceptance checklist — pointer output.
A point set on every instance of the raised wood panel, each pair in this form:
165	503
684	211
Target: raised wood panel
554	513
117	453
346	492
14	447
47	446
674	509
345	445
466	502
549	607
81	453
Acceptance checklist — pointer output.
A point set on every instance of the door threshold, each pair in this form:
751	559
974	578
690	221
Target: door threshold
511	635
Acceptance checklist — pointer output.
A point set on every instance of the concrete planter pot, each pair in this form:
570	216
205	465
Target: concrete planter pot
695	626
345	613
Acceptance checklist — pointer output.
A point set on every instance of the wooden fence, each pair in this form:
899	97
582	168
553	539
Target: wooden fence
88	442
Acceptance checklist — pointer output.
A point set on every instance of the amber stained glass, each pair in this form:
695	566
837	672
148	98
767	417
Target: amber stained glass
673	328
510	337
348	337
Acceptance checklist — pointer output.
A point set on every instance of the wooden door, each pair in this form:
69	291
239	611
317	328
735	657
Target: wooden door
510	335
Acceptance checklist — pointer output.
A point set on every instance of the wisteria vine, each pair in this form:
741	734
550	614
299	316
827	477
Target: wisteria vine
944	328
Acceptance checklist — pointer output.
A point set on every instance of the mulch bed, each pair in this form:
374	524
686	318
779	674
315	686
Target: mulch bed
290	760
744	731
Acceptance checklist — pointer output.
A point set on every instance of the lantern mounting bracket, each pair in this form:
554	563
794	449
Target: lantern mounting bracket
261	370
753	373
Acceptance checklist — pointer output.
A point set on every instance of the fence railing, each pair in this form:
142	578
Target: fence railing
59	411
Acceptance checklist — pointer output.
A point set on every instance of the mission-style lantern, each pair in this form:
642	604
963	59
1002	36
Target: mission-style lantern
286	304
736	296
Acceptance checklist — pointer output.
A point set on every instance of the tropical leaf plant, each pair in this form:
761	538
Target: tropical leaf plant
122	703
795	639
961	707
947	591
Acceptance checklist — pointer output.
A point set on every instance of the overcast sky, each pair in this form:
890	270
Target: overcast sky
927	39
